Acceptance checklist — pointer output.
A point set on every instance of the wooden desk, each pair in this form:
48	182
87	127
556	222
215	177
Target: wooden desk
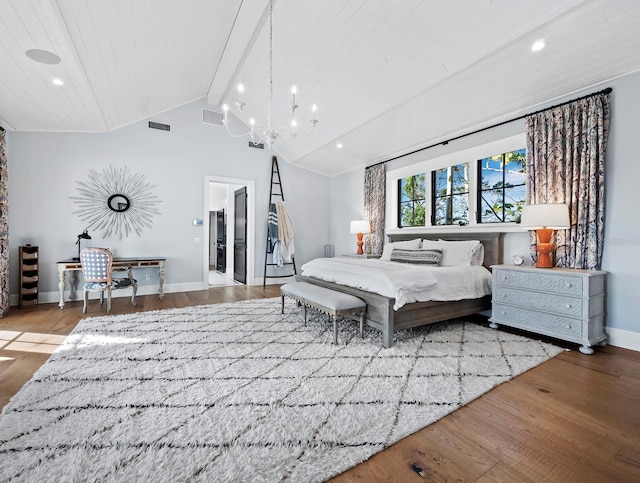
72	265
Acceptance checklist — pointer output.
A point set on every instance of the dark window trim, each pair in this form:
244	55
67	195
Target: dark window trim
479	190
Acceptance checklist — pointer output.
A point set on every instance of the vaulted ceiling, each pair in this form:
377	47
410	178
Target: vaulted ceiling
387	75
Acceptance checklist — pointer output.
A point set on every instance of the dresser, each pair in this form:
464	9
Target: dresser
563	303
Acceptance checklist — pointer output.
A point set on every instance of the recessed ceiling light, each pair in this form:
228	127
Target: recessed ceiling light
538	45
339	145
58	82
43	56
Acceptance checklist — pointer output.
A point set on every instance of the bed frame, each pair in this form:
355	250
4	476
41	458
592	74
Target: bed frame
380	313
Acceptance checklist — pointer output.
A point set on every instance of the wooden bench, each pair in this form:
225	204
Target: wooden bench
327	301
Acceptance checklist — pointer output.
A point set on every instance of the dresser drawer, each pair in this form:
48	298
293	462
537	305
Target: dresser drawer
549	324
559	304
551	282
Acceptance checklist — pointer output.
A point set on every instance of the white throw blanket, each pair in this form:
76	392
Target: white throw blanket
285	231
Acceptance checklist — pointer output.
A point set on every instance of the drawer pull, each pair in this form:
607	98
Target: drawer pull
504	277
568	326
504	295
569	284
568	306
504	312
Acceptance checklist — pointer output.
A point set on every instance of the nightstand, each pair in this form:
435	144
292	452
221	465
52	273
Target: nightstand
563	303
364	255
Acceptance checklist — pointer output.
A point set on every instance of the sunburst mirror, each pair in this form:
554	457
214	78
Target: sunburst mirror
117	202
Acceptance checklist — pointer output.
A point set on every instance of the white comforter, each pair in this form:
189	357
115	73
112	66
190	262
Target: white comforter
405	282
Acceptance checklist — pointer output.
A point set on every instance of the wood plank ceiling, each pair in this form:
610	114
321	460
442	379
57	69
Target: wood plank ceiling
387	75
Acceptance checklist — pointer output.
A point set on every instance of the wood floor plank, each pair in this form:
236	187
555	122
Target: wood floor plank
573	418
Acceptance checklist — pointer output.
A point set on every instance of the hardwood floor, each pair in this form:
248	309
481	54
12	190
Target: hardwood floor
573	418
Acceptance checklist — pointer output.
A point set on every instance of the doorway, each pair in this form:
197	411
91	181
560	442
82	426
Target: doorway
220	260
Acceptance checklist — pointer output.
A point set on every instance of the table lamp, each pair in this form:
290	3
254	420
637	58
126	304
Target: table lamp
359	227
82	236
544	218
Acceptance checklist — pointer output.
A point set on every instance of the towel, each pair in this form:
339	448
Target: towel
285	231
272	227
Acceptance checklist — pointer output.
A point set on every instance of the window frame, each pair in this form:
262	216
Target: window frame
435	196
400	203
417	163
479	189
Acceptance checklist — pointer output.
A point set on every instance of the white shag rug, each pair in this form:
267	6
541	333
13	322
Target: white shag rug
238	392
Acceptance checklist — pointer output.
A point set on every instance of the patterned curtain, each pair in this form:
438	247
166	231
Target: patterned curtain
4	228
565	164
374	207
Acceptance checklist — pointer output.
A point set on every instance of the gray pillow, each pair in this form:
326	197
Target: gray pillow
424	256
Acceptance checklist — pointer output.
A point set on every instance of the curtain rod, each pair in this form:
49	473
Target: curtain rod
608	90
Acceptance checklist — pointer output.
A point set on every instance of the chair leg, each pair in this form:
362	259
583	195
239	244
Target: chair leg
133	295
335	330
86	300
108	299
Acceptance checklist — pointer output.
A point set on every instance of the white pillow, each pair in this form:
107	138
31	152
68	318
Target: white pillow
461	253
409	244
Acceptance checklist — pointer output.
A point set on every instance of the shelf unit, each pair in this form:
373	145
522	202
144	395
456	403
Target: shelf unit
28	275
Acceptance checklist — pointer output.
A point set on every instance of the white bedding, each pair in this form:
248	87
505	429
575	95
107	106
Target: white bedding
405	282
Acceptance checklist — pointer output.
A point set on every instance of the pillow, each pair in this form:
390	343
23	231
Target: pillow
462	253
477	255
409	244
423	257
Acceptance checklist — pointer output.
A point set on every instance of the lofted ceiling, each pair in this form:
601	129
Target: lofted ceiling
388	76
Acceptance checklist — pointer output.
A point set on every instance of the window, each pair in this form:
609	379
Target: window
411	200
450	202
501	187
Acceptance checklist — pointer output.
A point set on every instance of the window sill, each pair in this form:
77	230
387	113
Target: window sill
487	228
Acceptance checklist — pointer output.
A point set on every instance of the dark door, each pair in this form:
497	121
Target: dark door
221	242
240	237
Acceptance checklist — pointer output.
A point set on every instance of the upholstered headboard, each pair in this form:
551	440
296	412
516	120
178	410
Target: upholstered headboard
493	242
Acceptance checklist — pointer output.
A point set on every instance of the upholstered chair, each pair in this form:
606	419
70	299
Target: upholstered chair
97	271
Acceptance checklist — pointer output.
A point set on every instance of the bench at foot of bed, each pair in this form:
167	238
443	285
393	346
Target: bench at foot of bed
328	301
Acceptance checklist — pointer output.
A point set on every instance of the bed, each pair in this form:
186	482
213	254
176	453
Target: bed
380	308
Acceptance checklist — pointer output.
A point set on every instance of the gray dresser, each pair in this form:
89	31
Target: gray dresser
563	303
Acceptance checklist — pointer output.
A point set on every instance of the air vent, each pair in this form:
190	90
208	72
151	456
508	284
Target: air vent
157	125
256	145
212	117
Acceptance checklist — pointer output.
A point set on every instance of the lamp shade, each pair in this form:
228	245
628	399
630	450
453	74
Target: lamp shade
549	215
360	226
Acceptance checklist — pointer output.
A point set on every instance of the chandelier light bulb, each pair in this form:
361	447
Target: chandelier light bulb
240	88
252	121
314	108
294	123
294	90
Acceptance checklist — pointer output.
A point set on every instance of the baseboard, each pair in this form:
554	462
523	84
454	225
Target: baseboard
274	281
623	338
54	297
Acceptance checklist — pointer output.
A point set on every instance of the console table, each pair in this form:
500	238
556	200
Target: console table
72	265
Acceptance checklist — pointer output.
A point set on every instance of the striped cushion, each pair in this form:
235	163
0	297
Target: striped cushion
424	257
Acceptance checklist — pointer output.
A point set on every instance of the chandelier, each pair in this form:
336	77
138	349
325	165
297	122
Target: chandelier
270	133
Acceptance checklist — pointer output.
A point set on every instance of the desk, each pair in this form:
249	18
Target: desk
73	265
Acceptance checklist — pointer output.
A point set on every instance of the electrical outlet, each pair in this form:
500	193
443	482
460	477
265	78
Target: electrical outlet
147	277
